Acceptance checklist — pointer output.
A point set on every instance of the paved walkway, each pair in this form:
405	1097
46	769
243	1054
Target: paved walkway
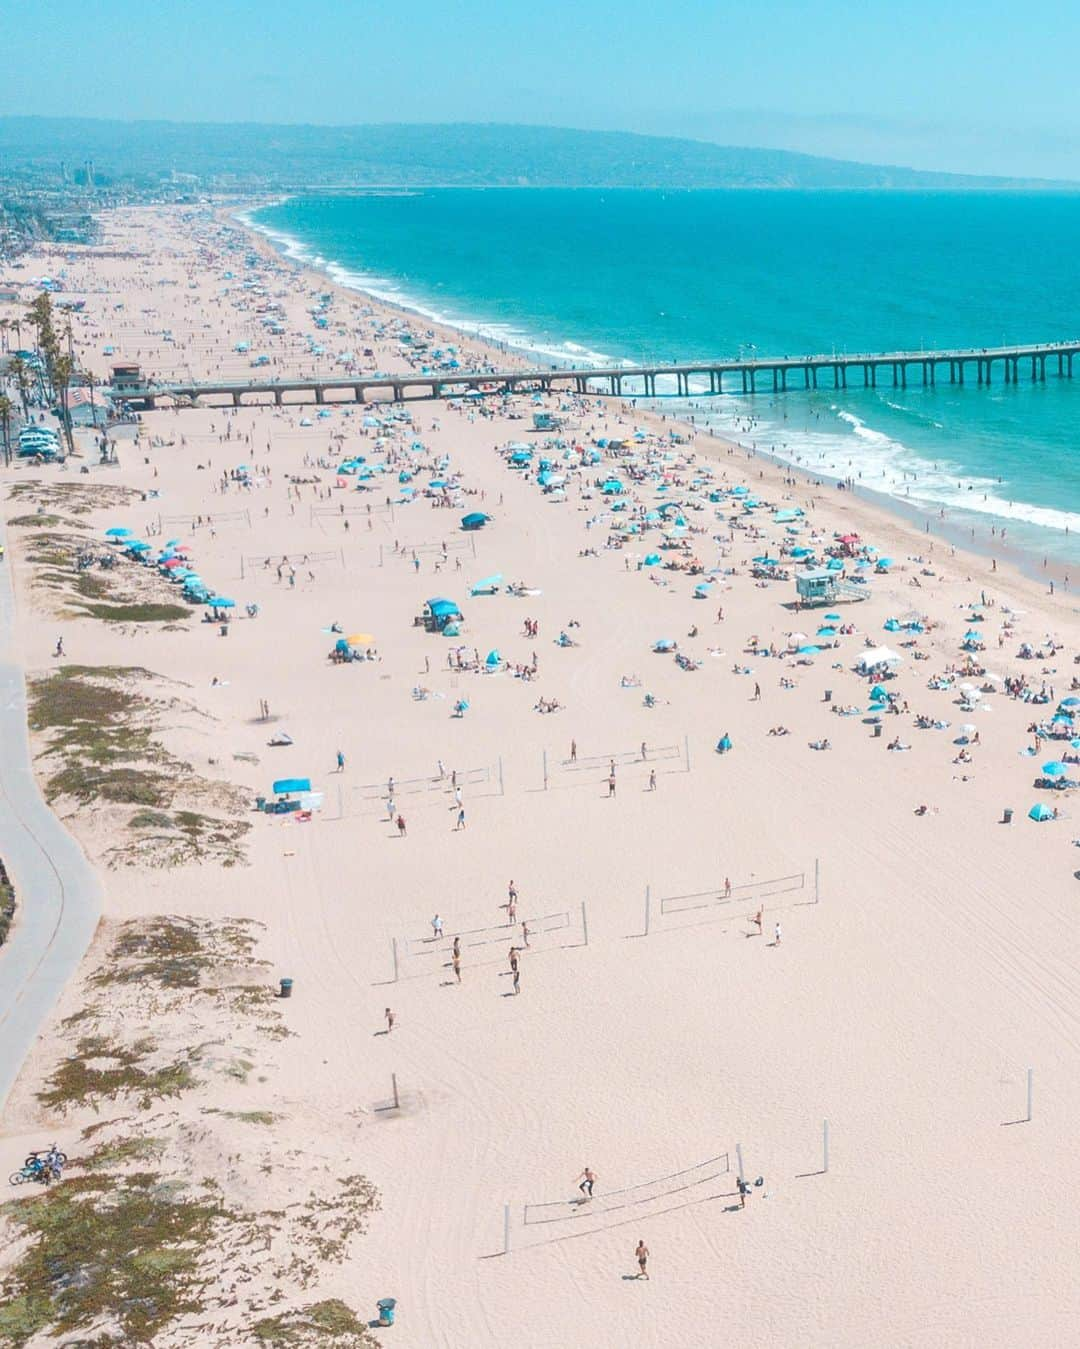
57	892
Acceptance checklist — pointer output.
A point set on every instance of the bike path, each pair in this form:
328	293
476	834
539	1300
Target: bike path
57	893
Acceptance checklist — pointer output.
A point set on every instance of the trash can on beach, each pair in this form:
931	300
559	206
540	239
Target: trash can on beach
828	695
877	729
1006	815
386	1307
286	988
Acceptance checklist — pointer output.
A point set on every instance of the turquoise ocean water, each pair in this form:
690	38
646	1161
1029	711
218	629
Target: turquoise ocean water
610	276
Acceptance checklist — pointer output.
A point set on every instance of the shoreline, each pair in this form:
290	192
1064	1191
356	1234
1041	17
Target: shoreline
1019	561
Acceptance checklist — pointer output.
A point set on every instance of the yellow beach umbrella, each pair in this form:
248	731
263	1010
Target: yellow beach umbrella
360	638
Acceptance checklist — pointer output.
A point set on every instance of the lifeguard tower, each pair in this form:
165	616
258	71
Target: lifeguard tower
821	585
127	381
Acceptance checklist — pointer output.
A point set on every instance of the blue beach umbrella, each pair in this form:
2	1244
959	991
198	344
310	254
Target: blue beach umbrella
117	532
220	602
1055	769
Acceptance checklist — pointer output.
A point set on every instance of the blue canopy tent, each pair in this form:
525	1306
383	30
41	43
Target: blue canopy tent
440	613
1039	813
474	520
289	786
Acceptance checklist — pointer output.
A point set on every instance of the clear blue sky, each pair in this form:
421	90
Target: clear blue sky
985	86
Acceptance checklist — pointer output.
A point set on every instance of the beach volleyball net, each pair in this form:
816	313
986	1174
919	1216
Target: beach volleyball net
195	522
405	552
256	565
607	1202
487	942
322	515
369	798
774	894
563	771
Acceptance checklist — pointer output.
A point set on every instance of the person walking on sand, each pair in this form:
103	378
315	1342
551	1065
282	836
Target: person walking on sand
511	891
517	981
756	920
642	1257
776	937
460	820
524	932
587	1180
573	751
511	912
436	928
391	809
401	826
390	1018
455	960
611	784
457	948
513	959
340	762
652	779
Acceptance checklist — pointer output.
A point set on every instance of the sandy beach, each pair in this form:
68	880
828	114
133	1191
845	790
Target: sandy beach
724	950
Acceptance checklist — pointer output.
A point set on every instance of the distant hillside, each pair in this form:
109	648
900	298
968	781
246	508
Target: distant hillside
466	155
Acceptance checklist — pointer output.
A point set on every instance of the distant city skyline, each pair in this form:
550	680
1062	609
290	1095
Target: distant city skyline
967	88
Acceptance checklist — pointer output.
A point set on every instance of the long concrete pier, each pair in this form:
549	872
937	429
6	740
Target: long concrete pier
896	369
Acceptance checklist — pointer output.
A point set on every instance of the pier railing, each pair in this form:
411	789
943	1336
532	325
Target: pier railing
896	369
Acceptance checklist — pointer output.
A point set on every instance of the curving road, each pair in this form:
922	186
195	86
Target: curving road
57	891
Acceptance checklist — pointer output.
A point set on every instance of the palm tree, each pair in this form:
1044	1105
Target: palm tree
21	373
40	315
5	425
63	372
5	324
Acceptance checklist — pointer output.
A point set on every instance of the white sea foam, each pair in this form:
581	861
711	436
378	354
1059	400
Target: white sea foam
391	292
879	462
852	449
